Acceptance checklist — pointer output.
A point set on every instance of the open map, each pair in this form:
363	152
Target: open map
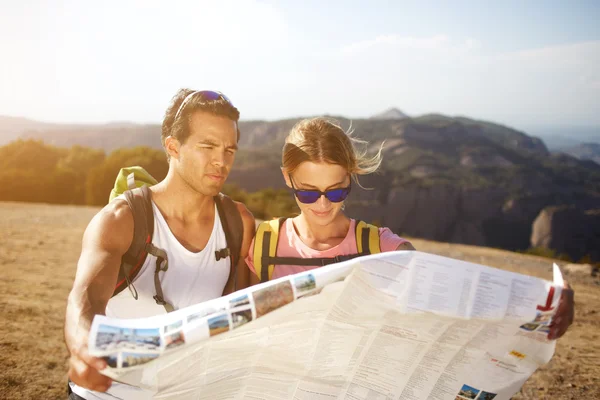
399	325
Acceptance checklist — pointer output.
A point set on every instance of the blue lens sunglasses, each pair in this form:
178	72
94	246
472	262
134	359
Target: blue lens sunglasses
210	95
311	196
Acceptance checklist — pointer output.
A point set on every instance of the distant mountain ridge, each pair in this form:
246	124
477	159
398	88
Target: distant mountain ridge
583	151
254	133
391	113
66	135
559	137
452	179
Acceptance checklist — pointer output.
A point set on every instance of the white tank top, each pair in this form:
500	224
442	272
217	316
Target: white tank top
190	279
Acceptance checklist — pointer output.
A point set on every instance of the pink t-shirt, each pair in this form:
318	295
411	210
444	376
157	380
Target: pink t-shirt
290	245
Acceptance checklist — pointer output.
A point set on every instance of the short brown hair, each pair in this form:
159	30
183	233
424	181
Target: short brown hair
323	140
178	126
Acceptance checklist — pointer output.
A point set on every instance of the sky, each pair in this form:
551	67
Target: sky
517	63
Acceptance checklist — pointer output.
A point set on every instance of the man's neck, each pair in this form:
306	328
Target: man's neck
174	197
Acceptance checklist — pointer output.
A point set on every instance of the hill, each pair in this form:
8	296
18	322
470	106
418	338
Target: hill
584	151
450	179
38	274
557	137
392	113
12	127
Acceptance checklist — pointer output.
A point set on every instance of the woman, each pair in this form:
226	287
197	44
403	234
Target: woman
319	162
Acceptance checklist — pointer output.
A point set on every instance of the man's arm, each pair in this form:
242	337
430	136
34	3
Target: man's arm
244	277
106	239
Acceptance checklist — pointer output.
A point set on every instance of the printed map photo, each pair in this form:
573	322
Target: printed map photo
133	359
272	297
304	284
174	340
173	326
529	326
218	324
468	392
116	338
241	317
486	396
239	301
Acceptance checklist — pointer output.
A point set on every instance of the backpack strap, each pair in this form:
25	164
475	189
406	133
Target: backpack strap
308	262
265	248
367	238
267	236
143	226
233	226
162	264
140	203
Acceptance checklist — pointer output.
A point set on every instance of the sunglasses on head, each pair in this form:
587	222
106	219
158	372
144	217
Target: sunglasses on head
208	95
311	196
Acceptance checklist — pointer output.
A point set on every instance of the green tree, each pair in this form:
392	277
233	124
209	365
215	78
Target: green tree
101	179
72	171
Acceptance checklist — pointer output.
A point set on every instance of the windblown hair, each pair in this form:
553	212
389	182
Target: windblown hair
178	126
323	140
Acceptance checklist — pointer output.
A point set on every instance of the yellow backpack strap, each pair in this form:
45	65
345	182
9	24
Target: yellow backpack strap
367	238
265	247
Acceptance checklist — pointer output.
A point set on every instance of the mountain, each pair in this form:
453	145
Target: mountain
559	137
12	127
584	151
124	134
392	113
108	137
450	179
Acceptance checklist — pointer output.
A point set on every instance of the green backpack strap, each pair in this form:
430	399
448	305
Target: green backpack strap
233	226
265	248
129	178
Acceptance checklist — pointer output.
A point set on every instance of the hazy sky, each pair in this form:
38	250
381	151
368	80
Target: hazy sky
520	63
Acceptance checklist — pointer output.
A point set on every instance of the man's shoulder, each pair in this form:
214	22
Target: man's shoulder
117	211
114	222
245	213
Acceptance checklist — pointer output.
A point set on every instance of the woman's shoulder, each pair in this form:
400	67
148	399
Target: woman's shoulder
389	241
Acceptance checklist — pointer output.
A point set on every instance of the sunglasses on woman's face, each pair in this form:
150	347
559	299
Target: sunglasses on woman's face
311	196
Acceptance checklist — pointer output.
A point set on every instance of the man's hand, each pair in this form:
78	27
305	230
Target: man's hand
84	370
106	239
564	314
405	246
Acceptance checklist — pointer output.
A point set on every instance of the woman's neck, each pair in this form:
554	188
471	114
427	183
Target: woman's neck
323	234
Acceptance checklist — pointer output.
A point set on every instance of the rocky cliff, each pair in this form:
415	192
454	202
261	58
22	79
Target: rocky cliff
451	179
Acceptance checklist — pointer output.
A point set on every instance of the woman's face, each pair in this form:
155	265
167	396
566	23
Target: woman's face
321	177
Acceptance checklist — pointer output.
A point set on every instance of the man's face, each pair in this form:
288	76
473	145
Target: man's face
208	153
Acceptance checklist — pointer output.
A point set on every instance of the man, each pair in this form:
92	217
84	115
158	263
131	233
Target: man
199	134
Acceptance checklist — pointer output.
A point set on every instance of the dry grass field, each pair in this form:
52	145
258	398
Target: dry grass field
39	246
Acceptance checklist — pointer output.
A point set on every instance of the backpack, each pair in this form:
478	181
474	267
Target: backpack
134	183
267	236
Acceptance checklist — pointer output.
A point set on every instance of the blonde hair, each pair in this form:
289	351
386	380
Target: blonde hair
323	140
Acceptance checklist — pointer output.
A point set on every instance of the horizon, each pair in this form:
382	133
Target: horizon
513	64
540	130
